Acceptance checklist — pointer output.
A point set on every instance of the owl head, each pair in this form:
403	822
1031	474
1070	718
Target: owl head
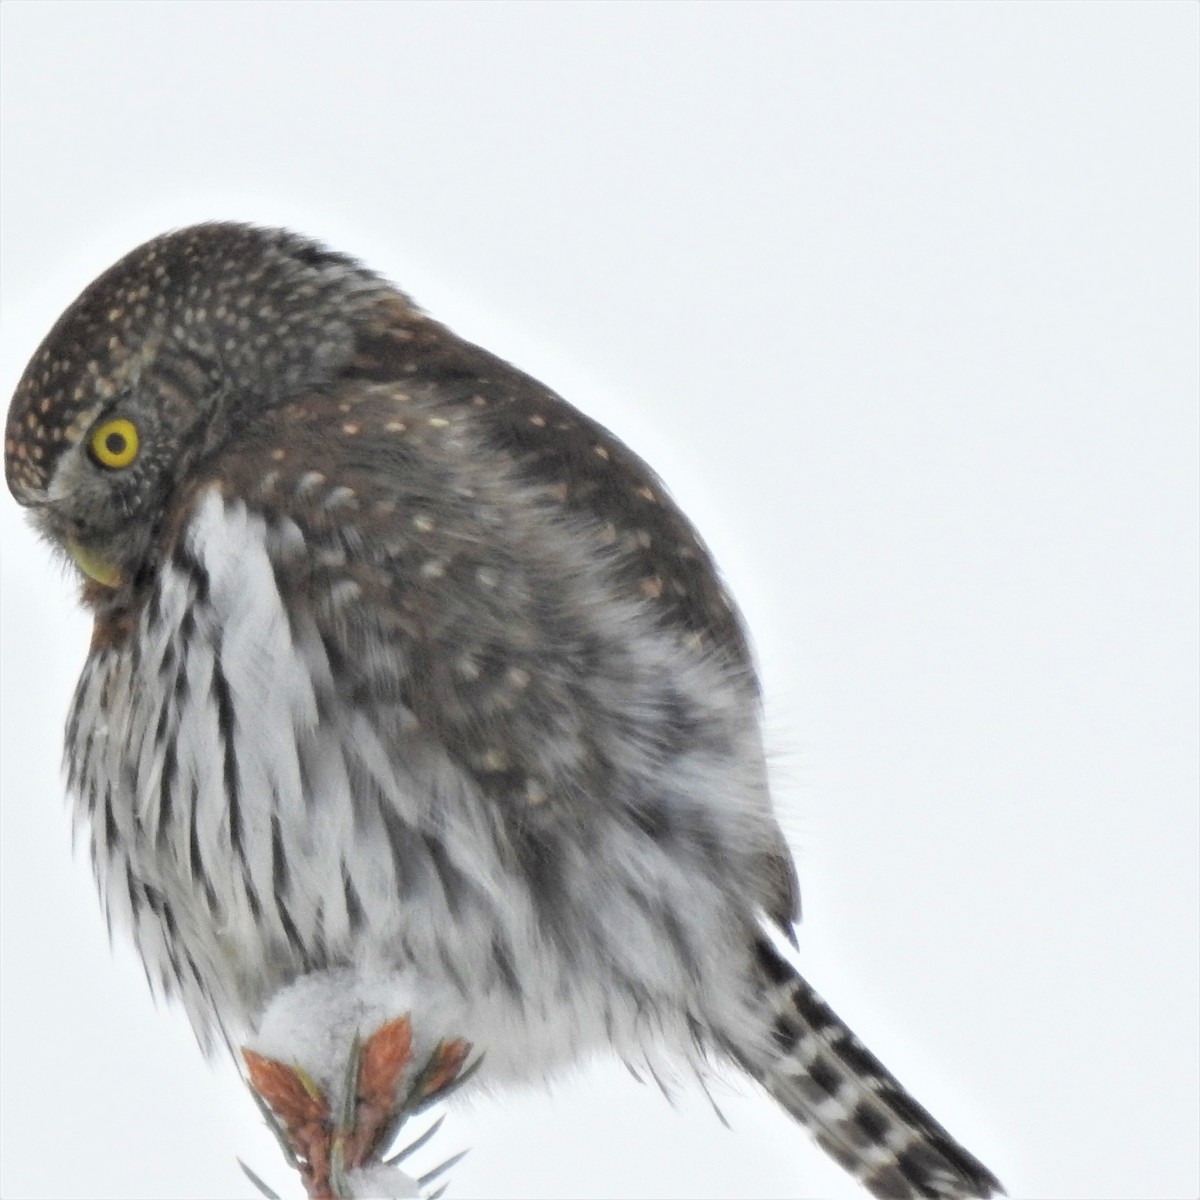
160	360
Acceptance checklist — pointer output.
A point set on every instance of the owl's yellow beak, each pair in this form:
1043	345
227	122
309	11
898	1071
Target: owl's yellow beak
93	566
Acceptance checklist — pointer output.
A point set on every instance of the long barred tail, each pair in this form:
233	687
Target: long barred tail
852	1105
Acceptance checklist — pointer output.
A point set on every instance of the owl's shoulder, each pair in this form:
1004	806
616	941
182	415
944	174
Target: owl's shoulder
535	439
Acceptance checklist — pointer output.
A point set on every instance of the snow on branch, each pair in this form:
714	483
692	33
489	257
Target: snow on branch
337	1100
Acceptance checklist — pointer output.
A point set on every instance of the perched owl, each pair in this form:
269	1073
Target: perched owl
400	660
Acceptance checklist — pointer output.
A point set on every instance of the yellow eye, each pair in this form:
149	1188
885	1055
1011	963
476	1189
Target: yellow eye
115	443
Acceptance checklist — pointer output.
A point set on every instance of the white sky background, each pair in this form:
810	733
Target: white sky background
902	302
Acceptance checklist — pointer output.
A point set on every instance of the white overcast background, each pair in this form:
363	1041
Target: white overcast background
902	303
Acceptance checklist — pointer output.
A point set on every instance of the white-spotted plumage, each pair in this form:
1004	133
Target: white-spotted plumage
209	868
407	674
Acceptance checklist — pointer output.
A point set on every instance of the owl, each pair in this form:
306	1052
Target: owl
401	662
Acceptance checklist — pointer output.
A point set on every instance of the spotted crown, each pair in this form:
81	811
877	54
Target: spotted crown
262	309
